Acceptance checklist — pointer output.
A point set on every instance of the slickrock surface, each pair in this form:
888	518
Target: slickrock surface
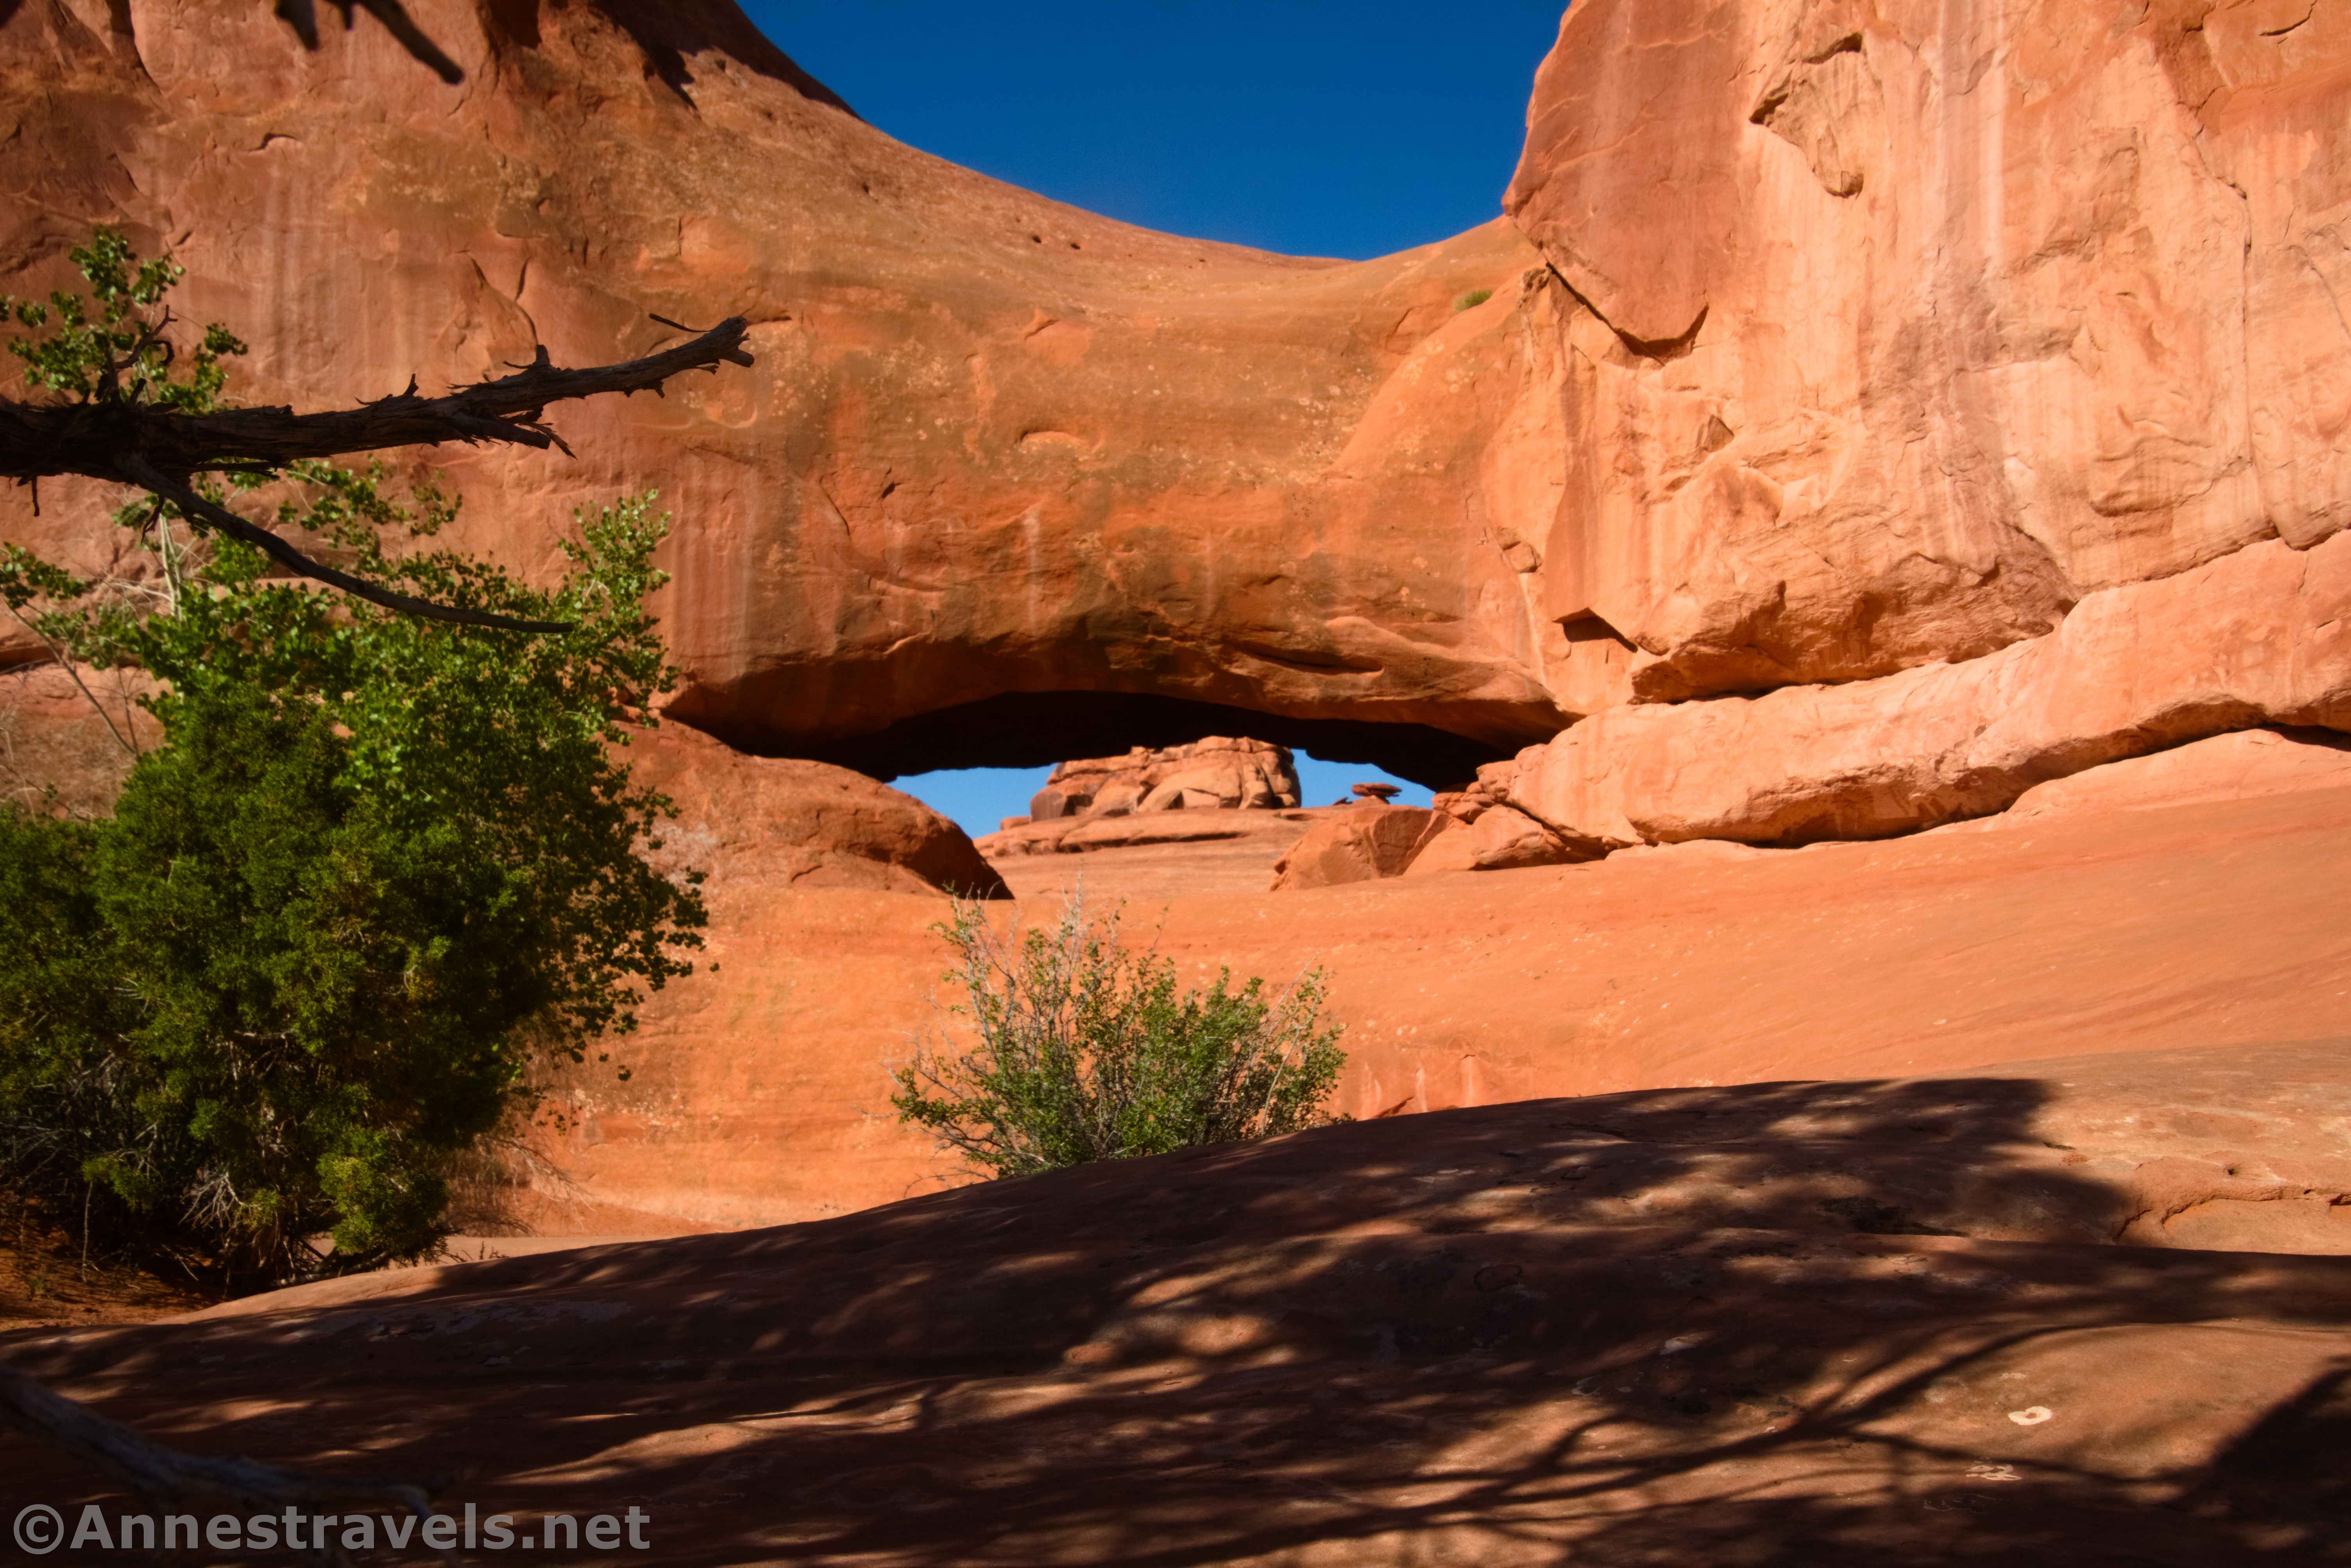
1798	1323
759	1095
2243	766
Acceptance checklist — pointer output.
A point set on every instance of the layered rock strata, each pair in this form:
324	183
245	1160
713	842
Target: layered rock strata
1214	773
1218	788
1838	359
993	445
2260	636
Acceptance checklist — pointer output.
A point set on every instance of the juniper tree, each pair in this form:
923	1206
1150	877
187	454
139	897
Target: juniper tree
387	849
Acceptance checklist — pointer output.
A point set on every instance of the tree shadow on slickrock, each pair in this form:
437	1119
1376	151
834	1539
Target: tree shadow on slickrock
1816	1324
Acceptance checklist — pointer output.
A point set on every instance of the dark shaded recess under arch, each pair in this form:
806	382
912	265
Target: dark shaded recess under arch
1031	729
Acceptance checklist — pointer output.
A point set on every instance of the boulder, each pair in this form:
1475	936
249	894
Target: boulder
1214	772
2259	636
1218	773
1448	843
2244	766
1052	802
1358	843
800	824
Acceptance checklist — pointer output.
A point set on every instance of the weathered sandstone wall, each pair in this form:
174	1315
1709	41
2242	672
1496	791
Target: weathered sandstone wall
1908	325
992	445
1880	408
1978	373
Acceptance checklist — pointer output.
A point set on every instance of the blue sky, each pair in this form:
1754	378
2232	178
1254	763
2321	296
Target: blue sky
1345	127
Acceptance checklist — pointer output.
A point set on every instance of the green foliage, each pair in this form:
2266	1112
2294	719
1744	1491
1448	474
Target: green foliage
1475	298
112	342
382	866
1087	1050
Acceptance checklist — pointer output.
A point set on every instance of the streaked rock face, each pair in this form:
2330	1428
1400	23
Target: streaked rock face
1968	380
1840	360
992	445
1908	325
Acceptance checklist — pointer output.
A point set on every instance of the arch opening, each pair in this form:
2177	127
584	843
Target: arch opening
1032	730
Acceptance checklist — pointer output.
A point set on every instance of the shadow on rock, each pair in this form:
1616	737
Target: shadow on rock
1813	1323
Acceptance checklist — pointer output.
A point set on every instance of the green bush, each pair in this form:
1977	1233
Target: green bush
381	867
1475	298
1086	1050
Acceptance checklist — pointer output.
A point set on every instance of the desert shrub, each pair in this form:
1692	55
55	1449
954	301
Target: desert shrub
1475	298
1087	1048
381	866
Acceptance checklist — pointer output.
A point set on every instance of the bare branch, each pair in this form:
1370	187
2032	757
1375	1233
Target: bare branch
156	1470
208	514
65	661
109	437
98	438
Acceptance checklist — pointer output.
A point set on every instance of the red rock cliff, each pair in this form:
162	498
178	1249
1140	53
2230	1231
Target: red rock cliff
1969	379
1909	334
992	445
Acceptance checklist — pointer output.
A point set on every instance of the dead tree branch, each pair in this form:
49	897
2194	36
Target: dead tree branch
160	450
204	513
96	437
165	1474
